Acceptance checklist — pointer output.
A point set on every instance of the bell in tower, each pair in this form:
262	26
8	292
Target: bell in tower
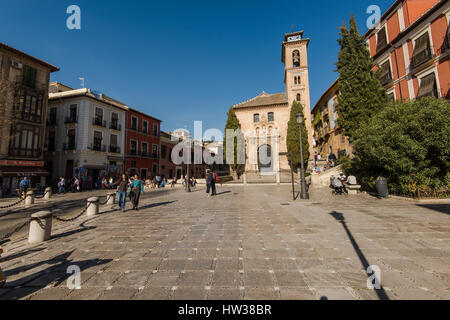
296	59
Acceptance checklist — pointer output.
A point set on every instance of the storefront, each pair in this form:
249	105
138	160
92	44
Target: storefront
11	172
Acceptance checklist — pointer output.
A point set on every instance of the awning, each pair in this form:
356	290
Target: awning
23	172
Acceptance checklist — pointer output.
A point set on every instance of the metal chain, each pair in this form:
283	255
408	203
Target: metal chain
13	204
107	199
41	197
74	218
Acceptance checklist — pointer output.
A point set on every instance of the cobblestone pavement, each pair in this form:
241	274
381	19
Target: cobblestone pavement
247	243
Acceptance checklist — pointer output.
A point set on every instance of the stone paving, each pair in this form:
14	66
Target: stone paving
247	243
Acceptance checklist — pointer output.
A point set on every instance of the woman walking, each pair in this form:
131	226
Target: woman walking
122	191
136	188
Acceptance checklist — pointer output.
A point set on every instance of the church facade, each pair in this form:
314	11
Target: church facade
264	119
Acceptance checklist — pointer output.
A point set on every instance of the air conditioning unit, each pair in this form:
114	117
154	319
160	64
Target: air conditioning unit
16	64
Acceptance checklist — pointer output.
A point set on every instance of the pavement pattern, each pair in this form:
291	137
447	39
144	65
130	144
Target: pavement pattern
249	242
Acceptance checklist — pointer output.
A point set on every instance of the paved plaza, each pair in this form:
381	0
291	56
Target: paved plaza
249	242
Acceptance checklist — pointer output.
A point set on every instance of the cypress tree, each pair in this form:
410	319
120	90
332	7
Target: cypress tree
233	123
362	94
293	137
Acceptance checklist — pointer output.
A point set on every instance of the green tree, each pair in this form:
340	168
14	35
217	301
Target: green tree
408	144
361	93
233	123
293	137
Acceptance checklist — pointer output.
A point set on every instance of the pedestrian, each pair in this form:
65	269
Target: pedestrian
23	187
316	157
62	185
136	188
76	185
122	186
214	179
209	178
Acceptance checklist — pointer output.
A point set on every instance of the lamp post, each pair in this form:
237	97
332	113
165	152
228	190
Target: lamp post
303	193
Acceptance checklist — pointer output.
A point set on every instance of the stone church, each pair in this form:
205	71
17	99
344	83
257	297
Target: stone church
264	119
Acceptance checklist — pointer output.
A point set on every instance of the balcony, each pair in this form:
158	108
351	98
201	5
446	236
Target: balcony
155	155
98	147
68	146
51	121
99	122
144	154
386	78
71	119
114	149
133	153
24	153
422	57
115	126
145	131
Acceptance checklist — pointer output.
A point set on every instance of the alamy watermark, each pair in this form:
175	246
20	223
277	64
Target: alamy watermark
73	22
374	280
373	22
74	280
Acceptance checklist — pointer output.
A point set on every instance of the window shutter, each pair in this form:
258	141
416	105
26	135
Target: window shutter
421	50
427	87
382	39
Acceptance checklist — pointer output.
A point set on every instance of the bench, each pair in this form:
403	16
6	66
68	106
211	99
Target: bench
353	189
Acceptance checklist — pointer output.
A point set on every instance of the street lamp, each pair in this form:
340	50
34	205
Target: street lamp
304	193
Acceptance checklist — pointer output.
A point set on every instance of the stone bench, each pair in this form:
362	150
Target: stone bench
353	189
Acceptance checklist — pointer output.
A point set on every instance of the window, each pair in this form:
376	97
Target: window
114	144
29	76
98	138
30	105
133	147
381	39
155	150
144	173
428	87
422	50
115	121
72	118
163	152
25	141
134	123
155	130
155	169
144	149
296	59
391	96
51	141
98	120
256	118
270	117
144	126
386	74
71	136
298	97
170	154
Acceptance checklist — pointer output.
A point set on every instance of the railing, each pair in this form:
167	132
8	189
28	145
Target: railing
132	153
98	147
155	155
145	131
144	154
69	146
422	57
115	126
99	122
26	153
114	149
71	119
38	86
51	121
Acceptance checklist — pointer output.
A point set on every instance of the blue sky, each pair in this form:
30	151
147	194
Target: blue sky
180	61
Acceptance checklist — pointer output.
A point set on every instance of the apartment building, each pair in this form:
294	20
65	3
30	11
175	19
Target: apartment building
142	144
411	47
24	85
85	134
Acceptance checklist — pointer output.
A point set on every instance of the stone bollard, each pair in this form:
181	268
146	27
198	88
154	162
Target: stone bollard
48	193
41	228
111	198
29	200
93	206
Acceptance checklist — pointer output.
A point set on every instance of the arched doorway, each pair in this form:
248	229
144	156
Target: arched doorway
265	158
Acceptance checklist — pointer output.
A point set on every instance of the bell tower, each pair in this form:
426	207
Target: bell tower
296	77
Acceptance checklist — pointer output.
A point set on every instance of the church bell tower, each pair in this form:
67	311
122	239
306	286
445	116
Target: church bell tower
296	77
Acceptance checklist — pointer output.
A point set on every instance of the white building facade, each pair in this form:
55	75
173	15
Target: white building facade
85	136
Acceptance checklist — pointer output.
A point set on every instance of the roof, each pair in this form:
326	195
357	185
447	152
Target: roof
27	56
87	93
144	114
384	16
264	99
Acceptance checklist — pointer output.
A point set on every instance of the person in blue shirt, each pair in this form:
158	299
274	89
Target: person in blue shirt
23	186
136	188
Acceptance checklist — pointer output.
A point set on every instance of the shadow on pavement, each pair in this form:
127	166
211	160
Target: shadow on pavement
442	208
340	218
159	204
55	274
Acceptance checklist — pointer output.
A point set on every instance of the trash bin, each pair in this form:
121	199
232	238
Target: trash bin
382	187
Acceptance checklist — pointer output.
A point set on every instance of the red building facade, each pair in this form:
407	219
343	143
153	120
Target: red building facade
412	49
142	144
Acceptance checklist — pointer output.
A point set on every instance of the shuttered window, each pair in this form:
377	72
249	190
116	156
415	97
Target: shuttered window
29	76
428	87
422	50
386	74
381	39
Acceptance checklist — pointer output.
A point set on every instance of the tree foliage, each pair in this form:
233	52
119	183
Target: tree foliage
408	144
293	137
233	123
361	93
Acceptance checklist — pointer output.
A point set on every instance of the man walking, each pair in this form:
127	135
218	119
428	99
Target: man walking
62	185
208	181
122	191
136	188
214	179
23	187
